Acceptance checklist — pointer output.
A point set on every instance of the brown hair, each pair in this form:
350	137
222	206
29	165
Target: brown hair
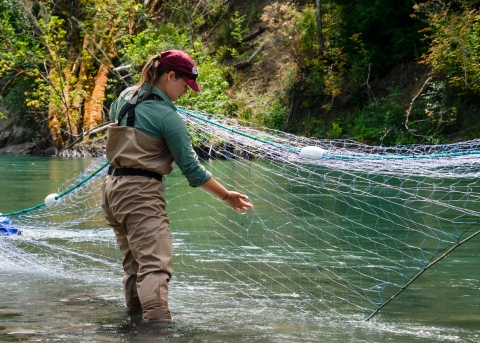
151	73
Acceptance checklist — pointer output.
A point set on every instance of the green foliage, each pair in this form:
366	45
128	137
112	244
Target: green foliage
388	31
212	99
222	38
321	72
433	112
359	71
156	38
335	132
455	43
49	89
20	55
308	31
150	41
15	104
381	122
254	14
239	31
275	116
186	14
229	38
470	122
384	120
41	43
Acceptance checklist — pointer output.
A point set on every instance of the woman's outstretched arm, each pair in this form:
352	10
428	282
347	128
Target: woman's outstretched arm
235	199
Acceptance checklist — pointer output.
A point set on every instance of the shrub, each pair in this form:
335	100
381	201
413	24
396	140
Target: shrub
381	122
275	116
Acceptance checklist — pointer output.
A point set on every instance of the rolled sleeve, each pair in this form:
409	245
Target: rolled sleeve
179	143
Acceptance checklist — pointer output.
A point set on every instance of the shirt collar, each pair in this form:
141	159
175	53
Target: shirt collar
158	91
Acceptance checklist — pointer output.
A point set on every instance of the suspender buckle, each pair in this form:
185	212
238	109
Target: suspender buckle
134	100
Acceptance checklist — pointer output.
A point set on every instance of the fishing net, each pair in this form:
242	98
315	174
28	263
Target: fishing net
342	232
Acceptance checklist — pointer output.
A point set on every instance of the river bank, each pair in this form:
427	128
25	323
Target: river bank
90	148
97	147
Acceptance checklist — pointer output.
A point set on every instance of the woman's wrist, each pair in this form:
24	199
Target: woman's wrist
226	196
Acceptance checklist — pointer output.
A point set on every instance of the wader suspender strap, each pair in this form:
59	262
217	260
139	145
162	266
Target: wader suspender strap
130	108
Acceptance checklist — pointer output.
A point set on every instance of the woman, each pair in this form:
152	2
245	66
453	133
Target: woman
148	136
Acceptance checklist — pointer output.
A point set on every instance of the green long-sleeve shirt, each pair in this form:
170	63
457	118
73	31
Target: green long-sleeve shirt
159	119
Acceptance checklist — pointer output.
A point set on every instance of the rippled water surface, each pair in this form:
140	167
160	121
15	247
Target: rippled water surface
42	305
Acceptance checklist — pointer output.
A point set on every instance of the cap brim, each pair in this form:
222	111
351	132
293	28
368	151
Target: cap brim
193	85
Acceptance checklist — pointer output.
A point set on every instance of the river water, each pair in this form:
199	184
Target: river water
42	305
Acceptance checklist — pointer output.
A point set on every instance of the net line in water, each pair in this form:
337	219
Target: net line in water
345	233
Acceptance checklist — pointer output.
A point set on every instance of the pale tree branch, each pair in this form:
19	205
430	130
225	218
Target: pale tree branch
409	110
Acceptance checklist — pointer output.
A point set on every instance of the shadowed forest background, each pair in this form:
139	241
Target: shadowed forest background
375	71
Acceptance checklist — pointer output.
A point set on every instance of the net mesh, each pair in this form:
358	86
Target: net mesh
340	234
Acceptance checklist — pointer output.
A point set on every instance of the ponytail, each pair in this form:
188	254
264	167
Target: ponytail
151	73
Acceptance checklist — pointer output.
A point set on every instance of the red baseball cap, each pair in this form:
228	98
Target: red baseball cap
182	64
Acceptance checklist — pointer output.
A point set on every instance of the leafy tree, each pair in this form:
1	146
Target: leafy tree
66	59
381	122
387	29
15	64
66	47
72	48
454	32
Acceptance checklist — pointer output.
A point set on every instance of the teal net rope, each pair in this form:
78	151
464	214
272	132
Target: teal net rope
342	235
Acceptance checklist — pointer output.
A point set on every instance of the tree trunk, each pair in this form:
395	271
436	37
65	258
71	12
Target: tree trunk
321	44
55	123
71	117
93	115
83	81
94	105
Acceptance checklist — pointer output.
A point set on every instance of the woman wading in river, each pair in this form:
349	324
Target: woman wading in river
147	138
